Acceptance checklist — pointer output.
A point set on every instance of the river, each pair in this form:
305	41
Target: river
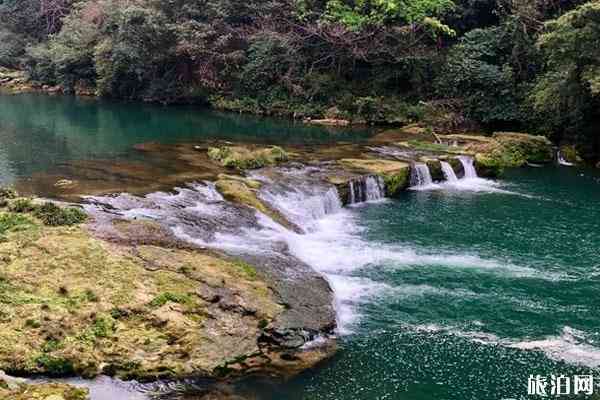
460	290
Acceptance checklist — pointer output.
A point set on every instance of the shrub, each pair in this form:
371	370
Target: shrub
54	366
10	222
7	193
52	215
167	297
21	206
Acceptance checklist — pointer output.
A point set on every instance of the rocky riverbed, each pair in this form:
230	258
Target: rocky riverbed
202	281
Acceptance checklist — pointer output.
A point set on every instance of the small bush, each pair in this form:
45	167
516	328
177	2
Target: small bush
103	327
10	222
21	206
166	297
54	366
246	269
7	193
52	215
32	323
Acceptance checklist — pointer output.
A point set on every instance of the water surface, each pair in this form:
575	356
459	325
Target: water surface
39	133
462	291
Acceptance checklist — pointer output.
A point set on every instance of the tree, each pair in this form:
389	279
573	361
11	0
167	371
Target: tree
567	94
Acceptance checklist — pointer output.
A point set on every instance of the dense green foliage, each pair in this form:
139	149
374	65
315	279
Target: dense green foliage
500	64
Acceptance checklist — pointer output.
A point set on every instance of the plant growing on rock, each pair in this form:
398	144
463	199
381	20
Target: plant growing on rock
52	215
243	158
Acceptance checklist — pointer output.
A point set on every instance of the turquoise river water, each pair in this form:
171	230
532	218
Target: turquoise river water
460	291
464	291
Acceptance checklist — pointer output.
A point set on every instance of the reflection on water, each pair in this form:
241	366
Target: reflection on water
39	132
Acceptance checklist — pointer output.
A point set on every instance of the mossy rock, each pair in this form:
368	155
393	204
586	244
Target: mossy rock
238	191
44	391
74	304
533	149
457	166
251	183
245	158
490	166
396	174
435	169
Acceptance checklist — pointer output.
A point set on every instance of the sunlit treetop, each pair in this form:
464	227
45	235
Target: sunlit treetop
360	13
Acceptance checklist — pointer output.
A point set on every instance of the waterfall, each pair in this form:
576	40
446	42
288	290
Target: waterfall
370	188
562	161
420	176
468	164
448	172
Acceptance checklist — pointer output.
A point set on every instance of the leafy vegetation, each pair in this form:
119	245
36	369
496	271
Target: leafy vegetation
527	65
52	215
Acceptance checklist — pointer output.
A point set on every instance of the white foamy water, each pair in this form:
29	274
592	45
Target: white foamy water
469	166
106	388
571	346
448	171
562	161
420	178
331	243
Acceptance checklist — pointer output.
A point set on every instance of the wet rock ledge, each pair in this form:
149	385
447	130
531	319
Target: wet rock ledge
136	303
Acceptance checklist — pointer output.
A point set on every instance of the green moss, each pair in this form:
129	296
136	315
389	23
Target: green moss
243	158
435	169
91	296
397	182
32	323
11	222
167	297
427	146
525	148
263	323
570	154
103	327
43	391
248	270
118	313
51	346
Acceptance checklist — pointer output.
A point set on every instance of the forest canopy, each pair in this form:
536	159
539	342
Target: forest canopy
492	64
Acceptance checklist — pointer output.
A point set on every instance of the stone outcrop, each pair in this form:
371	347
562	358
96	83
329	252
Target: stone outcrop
396	174
141	305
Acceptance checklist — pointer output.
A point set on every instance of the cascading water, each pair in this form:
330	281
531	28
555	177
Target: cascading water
561	160
448	172
370	188
420	176
469	166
